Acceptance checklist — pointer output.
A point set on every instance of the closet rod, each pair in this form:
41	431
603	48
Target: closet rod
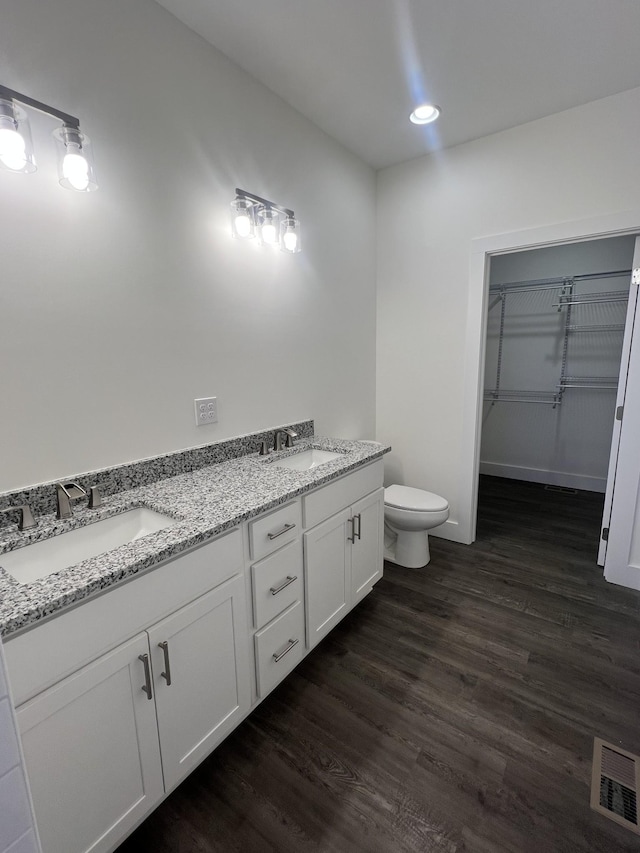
566	385
601	327
545	397
591	298
502	290
553	403
605	383
559	281
526	288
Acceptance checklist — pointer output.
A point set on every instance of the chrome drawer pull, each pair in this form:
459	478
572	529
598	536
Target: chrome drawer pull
285	529
359	517
167	666
352	538
147	676
283	585
292	644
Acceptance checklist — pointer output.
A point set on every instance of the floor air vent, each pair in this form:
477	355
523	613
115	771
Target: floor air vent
564	490
615	784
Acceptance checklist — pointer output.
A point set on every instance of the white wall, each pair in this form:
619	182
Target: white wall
571	166
119	308
568	445
17	832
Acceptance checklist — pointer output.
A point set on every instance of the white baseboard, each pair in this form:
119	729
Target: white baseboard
552	478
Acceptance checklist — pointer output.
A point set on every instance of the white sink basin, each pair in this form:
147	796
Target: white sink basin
306	459
52	555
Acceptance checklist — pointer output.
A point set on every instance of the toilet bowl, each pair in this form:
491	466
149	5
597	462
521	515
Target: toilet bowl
408	515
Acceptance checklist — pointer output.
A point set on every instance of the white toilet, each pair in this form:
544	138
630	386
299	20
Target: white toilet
408	515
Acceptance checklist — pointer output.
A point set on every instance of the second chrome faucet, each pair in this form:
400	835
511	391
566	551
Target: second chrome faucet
67	492
277	438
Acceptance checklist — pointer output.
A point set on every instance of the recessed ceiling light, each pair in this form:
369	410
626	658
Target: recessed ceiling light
425	114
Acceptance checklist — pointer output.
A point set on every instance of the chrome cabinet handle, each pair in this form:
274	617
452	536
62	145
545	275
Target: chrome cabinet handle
352	538
286	528
292	644
147	676
167	666
358	534
283	585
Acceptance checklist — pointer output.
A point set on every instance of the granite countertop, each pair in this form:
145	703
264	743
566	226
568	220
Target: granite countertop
204	503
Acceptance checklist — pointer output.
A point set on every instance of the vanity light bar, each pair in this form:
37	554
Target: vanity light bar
256	199
75	157
276	225
65	118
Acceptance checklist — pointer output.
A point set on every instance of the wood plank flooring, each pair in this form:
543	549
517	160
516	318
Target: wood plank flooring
454	710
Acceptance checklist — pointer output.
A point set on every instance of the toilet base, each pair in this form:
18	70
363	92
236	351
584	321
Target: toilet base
407	548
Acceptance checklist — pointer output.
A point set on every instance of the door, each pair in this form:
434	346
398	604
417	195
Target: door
201	676
327	576
91	750
366	553
620	402
622	551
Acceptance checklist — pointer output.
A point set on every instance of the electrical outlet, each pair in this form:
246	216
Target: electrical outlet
206	410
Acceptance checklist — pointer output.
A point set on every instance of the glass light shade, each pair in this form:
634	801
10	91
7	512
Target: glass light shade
75	160
425	114
269	221
290	235
16	148
242	224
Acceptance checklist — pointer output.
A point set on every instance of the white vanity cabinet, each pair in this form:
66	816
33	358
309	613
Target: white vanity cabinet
343	554
119	698
104	744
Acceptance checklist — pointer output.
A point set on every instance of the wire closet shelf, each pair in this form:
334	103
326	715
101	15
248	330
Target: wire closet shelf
566	300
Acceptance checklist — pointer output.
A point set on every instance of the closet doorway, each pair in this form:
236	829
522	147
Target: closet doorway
554	339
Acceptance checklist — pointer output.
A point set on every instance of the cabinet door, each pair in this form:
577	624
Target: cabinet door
367	550
327	575
202	650
91	750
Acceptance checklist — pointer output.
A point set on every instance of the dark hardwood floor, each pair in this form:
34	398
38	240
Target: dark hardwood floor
453	710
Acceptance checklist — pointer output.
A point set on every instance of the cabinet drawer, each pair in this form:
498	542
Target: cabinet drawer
335	496
270	532
279	647
276	582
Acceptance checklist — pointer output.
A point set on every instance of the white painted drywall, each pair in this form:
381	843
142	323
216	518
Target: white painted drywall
567	167
568	445
119	308
17	830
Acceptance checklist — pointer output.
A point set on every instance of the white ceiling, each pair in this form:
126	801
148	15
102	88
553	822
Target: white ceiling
357	67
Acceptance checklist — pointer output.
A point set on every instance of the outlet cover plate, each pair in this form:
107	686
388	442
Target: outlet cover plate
206	409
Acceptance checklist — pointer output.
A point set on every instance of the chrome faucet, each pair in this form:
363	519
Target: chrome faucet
26	521
65	493
277	438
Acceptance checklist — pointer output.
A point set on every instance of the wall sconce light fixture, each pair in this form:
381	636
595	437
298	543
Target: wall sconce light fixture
75	156
275	225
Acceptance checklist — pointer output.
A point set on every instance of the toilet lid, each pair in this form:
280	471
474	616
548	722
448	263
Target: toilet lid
404	497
